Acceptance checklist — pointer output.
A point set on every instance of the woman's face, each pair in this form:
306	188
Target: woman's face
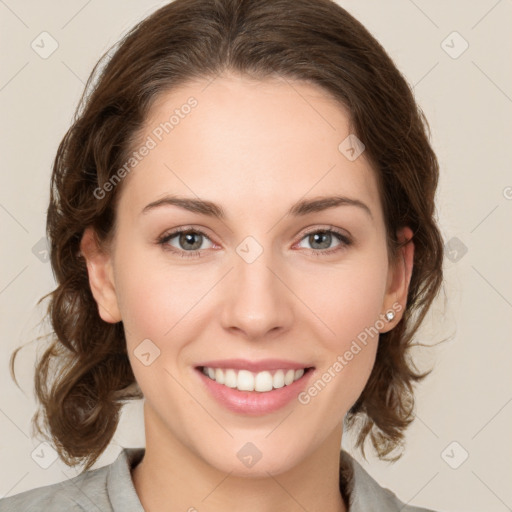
269	279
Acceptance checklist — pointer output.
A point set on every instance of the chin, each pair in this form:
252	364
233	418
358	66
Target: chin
248	459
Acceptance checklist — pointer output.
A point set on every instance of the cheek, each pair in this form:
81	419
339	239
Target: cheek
349	303
156	305
140	302
153	297
346	300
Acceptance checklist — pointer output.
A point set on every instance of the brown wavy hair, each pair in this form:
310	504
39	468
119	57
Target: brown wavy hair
84	377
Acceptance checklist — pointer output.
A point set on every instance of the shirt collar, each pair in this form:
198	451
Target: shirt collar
361	492
120	488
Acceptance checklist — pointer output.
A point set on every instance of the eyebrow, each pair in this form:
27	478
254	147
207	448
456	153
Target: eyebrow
301	208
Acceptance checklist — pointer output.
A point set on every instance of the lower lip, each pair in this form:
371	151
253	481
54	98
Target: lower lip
254	402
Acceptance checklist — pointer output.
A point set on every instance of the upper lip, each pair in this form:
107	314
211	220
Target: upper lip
255	366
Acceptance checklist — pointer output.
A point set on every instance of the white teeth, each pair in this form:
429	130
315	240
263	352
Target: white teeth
263	381
278	380
288	377
230	379
245	380
219	376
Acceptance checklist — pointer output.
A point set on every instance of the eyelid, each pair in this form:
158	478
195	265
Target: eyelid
343	237
327	227
170	234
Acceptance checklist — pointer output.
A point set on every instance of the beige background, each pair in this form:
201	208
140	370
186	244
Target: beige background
468	101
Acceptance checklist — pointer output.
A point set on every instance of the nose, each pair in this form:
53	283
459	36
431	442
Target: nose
258	300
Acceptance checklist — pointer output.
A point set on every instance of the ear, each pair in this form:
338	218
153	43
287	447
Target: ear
399	277
101	278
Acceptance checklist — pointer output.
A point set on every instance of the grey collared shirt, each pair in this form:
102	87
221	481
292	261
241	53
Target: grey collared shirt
111	489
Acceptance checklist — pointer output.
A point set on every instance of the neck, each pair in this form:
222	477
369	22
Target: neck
173	477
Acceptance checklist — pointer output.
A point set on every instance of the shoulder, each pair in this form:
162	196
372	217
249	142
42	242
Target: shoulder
66	495
365	493
88	491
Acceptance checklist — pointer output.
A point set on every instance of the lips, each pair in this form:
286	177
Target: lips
255	366
274	383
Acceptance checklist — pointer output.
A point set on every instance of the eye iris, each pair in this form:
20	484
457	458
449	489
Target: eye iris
320	234
186	238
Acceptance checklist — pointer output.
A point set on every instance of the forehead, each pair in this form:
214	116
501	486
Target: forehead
254	143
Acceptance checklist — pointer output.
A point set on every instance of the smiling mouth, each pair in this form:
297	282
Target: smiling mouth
261	382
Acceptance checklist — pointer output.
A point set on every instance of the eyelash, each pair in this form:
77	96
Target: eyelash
164	239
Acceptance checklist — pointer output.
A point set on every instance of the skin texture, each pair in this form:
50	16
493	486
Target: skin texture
255	148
